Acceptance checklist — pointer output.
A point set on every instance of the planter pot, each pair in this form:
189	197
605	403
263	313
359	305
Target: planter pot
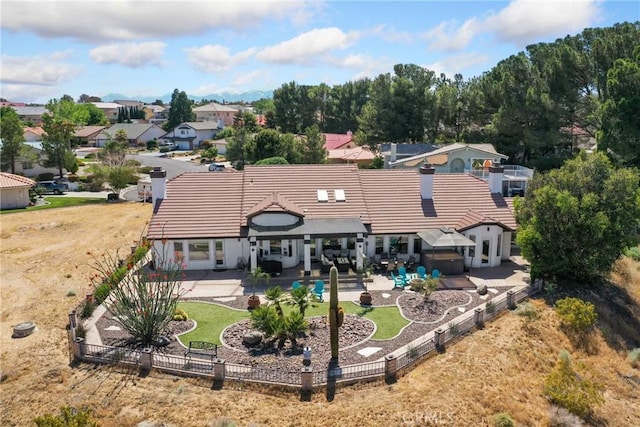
254	301
365	298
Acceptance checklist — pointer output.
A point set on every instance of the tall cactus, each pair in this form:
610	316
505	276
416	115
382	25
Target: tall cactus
333	311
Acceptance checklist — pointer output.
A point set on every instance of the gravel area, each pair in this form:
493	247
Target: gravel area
425	316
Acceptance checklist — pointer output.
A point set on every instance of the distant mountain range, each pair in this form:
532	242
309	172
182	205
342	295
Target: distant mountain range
221	97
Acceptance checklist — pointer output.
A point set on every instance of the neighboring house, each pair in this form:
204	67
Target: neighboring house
33	134
137	133
335	141
30	114
362	156
86	135
14	191
110	110
129	103
189	135
31	164
156	114
392	152
214	112
295	213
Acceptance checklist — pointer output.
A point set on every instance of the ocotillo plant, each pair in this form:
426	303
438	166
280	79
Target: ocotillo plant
333	311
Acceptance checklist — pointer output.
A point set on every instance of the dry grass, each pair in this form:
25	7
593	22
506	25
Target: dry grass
498	369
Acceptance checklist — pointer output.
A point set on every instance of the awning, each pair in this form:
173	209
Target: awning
445	237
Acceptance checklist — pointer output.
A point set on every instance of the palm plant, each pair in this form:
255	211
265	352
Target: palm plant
302	298
274	294
256	275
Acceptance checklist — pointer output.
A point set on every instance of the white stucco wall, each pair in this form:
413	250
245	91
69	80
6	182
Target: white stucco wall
489	233
14	198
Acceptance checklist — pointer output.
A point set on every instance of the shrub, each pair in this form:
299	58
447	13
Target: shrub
503	420
71	293
180	315
90	156
528	312
101	293
152	144
68	417
46	176
73	178
87	310
81	331
633	253
565	387
144	169
132	163
576	313
634	357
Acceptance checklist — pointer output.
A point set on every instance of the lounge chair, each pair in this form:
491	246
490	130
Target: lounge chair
318	290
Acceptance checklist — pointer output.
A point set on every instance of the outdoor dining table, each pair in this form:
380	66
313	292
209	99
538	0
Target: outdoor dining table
343	264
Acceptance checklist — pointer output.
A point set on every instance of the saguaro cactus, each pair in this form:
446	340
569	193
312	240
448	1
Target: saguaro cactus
333	311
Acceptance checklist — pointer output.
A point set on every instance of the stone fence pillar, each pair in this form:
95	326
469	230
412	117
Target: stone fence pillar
439	337
511	299
218	369
390	369
80	348
146	358
479	317
306	378
73	319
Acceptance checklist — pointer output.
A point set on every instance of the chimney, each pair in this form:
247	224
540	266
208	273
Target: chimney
158	185
496	174
426	182
394	152
349	133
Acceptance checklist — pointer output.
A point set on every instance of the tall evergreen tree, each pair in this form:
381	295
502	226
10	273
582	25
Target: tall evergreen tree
314	152
12	136
180	110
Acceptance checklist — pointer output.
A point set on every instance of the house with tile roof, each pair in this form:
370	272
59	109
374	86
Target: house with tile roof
31	114
137	133
110	110
294	213
14	191
215	112
33	134
86	135
189	135
359	155
336	141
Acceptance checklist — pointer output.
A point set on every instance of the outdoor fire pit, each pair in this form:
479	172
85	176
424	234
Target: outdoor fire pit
23	329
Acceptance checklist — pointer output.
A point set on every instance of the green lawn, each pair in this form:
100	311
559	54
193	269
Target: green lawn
60	202
213	318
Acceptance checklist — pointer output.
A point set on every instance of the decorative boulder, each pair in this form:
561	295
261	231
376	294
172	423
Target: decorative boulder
482	289
252	338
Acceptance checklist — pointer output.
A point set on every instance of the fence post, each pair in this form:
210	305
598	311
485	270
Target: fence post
146	358
538	285
219	369
80	348
73	319
306	383
511	299
439	336
390	369
479	317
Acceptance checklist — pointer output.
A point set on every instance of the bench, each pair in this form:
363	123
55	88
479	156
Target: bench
203	348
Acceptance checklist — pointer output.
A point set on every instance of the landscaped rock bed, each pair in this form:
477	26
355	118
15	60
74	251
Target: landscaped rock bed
425	316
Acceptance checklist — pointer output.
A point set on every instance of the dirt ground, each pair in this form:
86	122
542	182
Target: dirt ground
44	259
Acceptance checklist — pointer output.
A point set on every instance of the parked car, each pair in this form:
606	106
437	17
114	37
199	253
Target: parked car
50	187
216	167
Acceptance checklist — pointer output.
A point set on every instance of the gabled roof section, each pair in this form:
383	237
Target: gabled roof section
437	154
214	106
474	218
133	130
275	203
87	131
333	141
210	125
38	131
351	154
9	180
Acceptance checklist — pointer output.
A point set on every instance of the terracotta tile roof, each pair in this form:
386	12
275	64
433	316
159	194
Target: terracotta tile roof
87	131
351	154
203	204
38	131
9	180
214	106
473	218
334	141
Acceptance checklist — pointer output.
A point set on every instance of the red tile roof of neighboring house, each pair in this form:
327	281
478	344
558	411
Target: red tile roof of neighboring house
336	140
38	131
9	180
351	154
203	205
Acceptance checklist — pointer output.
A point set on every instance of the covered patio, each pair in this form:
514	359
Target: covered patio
443	253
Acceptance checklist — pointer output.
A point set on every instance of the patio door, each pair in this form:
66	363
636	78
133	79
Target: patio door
486	246
219	253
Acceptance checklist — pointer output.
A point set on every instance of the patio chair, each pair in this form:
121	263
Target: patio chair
398	282
411	262
435	274
295	285
318	290
391	267
402	272
422	272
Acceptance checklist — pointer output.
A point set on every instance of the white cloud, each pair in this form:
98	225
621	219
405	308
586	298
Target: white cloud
391	35
306	47
520	22
457	63
249	78
28	93
213	58
41	70
130	19
133	55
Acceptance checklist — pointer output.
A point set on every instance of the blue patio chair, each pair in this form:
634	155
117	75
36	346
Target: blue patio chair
422	272
318	290
295	285
402	272
435	274
398	282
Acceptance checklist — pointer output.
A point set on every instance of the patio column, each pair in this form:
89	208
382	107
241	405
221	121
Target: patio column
307	255
254	252
359	252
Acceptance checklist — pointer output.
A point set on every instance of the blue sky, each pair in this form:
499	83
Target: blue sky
148	48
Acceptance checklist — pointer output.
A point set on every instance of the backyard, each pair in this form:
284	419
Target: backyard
501	368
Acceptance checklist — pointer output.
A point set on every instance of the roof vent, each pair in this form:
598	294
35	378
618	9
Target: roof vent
340	196
323	196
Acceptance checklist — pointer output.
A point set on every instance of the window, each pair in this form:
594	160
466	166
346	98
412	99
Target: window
27	164
199	250
219	252
398	245
178	251
486	245
379	244
351	243
275	246
499	248
472	249
417	246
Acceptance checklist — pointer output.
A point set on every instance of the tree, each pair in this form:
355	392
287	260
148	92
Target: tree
575	221
272	161
210	153
12	136
119	178
180	110
314	152
144	301
115	149
69	417
237	147
56	142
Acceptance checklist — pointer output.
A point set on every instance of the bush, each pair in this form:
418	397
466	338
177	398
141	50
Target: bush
81	331
152	144
90	156
576	313
528	312
73	178
101	293
633	253
69	417
46	176
503	420
144	169
132	163
87	310
634	357
180	315
565	387
71	293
